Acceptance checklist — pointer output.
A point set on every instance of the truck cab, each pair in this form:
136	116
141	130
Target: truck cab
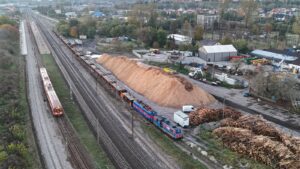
188	108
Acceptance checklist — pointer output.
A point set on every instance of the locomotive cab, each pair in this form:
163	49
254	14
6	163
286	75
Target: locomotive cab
58	111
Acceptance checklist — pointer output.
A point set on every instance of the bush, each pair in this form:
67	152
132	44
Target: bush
3	156
18	148
18	132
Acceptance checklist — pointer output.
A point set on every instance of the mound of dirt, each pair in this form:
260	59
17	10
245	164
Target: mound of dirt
160	87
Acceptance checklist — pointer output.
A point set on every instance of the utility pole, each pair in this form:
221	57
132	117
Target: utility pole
224	98
98	130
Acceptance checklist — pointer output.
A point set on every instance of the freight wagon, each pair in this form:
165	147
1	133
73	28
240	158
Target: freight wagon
166	126
54	103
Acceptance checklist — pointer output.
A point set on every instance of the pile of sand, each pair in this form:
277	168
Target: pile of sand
158	86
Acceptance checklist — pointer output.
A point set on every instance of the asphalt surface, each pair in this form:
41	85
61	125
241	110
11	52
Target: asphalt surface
50	143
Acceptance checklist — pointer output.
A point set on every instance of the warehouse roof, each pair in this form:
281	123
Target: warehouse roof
219	49
272	55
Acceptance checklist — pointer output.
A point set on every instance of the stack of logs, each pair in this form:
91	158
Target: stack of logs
205	115
255	123
255	137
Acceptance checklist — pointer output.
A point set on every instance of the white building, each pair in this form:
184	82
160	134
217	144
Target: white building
180	39
70	15
217	53
207	21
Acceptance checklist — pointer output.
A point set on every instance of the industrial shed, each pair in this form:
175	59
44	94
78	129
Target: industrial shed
277	55
217	53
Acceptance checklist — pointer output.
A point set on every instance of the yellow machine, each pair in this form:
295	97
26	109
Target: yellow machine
168	70
260	61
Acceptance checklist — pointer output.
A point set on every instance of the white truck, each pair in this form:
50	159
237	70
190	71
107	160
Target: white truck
188	108
181	118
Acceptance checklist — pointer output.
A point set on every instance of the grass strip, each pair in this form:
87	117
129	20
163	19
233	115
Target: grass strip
167	145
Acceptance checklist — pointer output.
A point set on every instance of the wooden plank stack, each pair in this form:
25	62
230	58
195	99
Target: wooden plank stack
205	115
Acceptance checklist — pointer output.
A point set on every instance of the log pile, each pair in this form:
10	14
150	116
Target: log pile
261	148
293	143
256	124
205	115
260	126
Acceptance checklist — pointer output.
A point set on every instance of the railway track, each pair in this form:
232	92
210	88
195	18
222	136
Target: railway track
131	154
38	119
77	152
78	156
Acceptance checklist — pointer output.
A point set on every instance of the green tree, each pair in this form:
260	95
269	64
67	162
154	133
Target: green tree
73	22
140	12
63	28
152	20
91	32
296	28
255	29
173	27
282	29
187	28
147	35
198	33
74	32
116	31
161	37
268	28
223	8
226	40
241	45
171	43
249	7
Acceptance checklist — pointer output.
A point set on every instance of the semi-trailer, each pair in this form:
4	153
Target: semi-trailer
181	118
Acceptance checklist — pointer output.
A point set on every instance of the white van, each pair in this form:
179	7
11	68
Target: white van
188	108
181	118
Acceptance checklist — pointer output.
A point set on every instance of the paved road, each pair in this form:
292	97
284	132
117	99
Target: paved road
50	143
249	104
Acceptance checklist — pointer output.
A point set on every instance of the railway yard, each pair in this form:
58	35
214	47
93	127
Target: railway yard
123	108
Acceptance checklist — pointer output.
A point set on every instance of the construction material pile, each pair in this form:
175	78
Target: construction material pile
259	147
160	87
205	115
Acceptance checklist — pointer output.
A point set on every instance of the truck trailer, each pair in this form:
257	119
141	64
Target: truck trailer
181	118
